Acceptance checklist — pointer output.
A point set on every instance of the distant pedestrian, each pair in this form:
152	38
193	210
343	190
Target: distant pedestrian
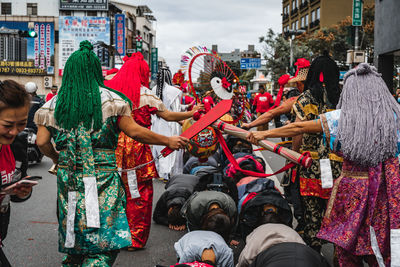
262	101
208	101
36	103
53	93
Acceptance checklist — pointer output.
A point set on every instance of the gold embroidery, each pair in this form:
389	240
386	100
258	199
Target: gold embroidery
333	196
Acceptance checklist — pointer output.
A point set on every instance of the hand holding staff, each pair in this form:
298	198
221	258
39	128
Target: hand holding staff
302	159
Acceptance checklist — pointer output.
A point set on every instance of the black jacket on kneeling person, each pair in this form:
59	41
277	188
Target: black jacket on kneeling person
177	190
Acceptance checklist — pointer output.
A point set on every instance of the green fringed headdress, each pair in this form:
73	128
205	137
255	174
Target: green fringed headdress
78	100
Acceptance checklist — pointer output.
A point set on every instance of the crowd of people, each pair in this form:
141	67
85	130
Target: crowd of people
106	135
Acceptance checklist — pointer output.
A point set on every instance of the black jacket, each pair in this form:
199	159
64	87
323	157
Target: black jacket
251	210
177	190
36	103
290	254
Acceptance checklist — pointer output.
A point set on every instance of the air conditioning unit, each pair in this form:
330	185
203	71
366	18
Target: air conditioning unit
359	57
355	57
48	81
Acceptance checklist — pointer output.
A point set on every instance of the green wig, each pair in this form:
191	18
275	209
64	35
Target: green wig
79	98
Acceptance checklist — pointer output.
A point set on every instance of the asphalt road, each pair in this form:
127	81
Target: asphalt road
33	237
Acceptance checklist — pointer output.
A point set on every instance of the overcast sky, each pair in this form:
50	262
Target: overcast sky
230	24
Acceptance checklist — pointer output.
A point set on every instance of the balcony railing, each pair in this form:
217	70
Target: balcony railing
315	23
313	1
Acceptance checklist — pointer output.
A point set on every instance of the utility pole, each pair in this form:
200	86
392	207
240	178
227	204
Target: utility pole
291	34
357	21
291	51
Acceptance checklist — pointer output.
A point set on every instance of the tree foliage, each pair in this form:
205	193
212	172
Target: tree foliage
336	40
339	38
277	53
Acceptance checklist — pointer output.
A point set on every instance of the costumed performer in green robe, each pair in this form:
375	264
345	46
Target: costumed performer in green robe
84	120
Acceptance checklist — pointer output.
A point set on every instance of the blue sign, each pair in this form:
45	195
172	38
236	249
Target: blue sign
154	63
342	73
250	63
120	34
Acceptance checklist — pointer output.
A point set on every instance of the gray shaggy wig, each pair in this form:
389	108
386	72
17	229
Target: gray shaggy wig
370	118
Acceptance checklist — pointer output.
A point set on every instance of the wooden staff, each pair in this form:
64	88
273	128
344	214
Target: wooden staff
293	156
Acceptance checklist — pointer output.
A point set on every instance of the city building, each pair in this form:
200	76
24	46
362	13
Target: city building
310	15
236	55
41	59
12	46
387	39
145	30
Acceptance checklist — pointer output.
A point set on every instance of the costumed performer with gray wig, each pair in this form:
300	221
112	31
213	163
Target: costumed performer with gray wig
362	218
84	120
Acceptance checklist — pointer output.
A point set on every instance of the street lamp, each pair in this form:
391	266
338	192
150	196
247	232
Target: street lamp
290	34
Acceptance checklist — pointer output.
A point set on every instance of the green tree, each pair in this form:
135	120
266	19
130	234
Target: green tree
246	77
339	38
277	53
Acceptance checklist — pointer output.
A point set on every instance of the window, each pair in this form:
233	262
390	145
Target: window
318	17
302	22
286	10
294	4
31	9
313	16
306	20
91	13
6	8
297	25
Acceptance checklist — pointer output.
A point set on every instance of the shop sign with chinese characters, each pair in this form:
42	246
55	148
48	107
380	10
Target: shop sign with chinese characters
73	30
26	55
120	33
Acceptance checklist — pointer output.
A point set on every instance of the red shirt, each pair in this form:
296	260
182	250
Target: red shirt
208	103
50	96
7	164
263	102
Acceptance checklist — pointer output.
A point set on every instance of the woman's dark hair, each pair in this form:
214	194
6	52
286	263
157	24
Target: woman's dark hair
12	95
326	68
175	217
270	217
217	221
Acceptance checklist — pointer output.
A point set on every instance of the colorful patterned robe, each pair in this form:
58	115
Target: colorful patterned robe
363	198
92	154
131	153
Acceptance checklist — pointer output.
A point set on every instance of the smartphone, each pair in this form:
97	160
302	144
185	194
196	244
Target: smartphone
27	182
7	189
32	178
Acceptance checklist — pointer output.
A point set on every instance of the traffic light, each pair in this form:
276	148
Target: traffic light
28	33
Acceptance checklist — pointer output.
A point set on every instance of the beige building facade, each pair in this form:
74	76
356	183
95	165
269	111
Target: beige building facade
311	15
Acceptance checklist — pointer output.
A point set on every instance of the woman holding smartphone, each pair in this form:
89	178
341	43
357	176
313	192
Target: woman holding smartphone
14	108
